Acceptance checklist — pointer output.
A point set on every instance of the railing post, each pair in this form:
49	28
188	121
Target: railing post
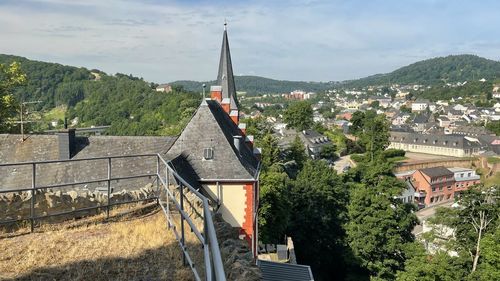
109	186
33	192
167	182
158	179
209	272
182	224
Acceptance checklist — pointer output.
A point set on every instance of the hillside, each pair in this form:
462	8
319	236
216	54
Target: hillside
51	83
129	104
259	85
456	68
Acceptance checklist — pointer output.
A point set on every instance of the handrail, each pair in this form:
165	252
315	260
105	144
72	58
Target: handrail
214	269
213	260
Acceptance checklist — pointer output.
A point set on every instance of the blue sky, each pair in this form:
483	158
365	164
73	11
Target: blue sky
311	40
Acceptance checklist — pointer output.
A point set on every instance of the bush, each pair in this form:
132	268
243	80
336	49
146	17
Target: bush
391	153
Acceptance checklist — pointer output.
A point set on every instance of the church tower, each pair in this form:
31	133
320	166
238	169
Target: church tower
215	154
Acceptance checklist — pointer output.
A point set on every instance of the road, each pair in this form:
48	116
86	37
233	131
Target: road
343	162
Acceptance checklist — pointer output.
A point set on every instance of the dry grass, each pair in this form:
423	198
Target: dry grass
132	248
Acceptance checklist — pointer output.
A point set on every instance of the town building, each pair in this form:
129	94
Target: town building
464	178
446	145
314	142
164	88
419	105
437	183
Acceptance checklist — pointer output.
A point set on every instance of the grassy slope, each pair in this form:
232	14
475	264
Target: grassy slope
130	249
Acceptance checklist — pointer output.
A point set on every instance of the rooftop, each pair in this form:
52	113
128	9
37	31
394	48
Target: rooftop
437	172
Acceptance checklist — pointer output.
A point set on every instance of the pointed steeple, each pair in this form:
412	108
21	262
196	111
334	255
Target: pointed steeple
225	76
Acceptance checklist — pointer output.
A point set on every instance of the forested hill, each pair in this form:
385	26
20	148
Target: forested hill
457	68
259	85
129	104
52	83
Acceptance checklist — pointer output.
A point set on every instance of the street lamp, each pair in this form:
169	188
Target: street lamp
22	123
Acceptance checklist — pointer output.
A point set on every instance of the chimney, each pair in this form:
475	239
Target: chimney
216	93
235	116
243	128
226	104
258	153
237	142
249	141
67	144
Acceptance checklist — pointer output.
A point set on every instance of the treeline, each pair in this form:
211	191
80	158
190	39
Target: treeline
128	104
131	107
481	91
254	85
51	83
435	71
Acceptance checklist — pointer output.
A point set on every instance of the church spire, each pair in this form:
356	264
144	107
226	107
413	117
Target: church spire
225	76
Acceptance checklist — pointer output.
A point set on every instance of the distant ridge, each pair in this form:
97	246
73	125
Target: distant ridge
449	69
260	85
453	68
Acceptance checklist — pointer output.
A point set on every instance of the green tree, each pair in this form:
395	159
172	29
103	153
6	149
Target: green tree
477	216
11	76
494	126
318	212
299	115
375	136
379	226
328	152
297	152
274	206
422	266
358	121
489	267
270	151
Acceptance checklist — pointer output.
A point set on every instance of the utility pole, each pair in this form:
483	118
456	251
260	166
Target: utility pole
22	123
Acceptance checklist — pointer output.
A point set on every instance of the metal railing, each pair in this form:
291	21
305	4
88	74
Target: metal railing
164	174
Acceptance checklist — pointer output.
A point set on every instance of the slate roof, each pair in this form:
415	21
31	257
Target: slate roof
437	172
421	118
314	138
451	141
277	271
45	147
211	127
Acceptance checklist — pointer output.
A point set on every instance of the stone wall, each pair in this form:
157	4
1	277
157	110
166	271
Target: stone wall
16	205
239	263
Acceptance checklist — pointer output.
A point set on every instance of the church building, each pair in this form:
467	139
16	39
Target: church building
214	153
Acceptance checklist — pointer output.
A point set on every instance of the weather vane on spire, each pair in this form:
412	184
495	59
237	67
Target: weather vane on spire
225	24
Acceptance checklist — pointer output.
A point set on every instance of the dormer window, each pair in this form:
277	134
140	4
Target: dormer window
445	142
425	141
208	153
435	141
415	139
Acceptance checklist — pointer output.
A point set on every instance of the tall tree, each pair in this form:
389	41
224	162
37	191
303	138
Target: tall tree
270	151
274	209
318	212
296	152
379	225
299	115
375	136
11	76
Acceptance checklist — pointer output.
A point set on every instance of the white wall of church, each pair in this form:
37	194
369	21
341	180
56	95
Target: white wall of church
233	202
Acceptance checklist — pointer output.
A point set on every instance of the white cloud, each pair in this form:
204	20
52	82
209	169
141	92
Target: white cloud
164	41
